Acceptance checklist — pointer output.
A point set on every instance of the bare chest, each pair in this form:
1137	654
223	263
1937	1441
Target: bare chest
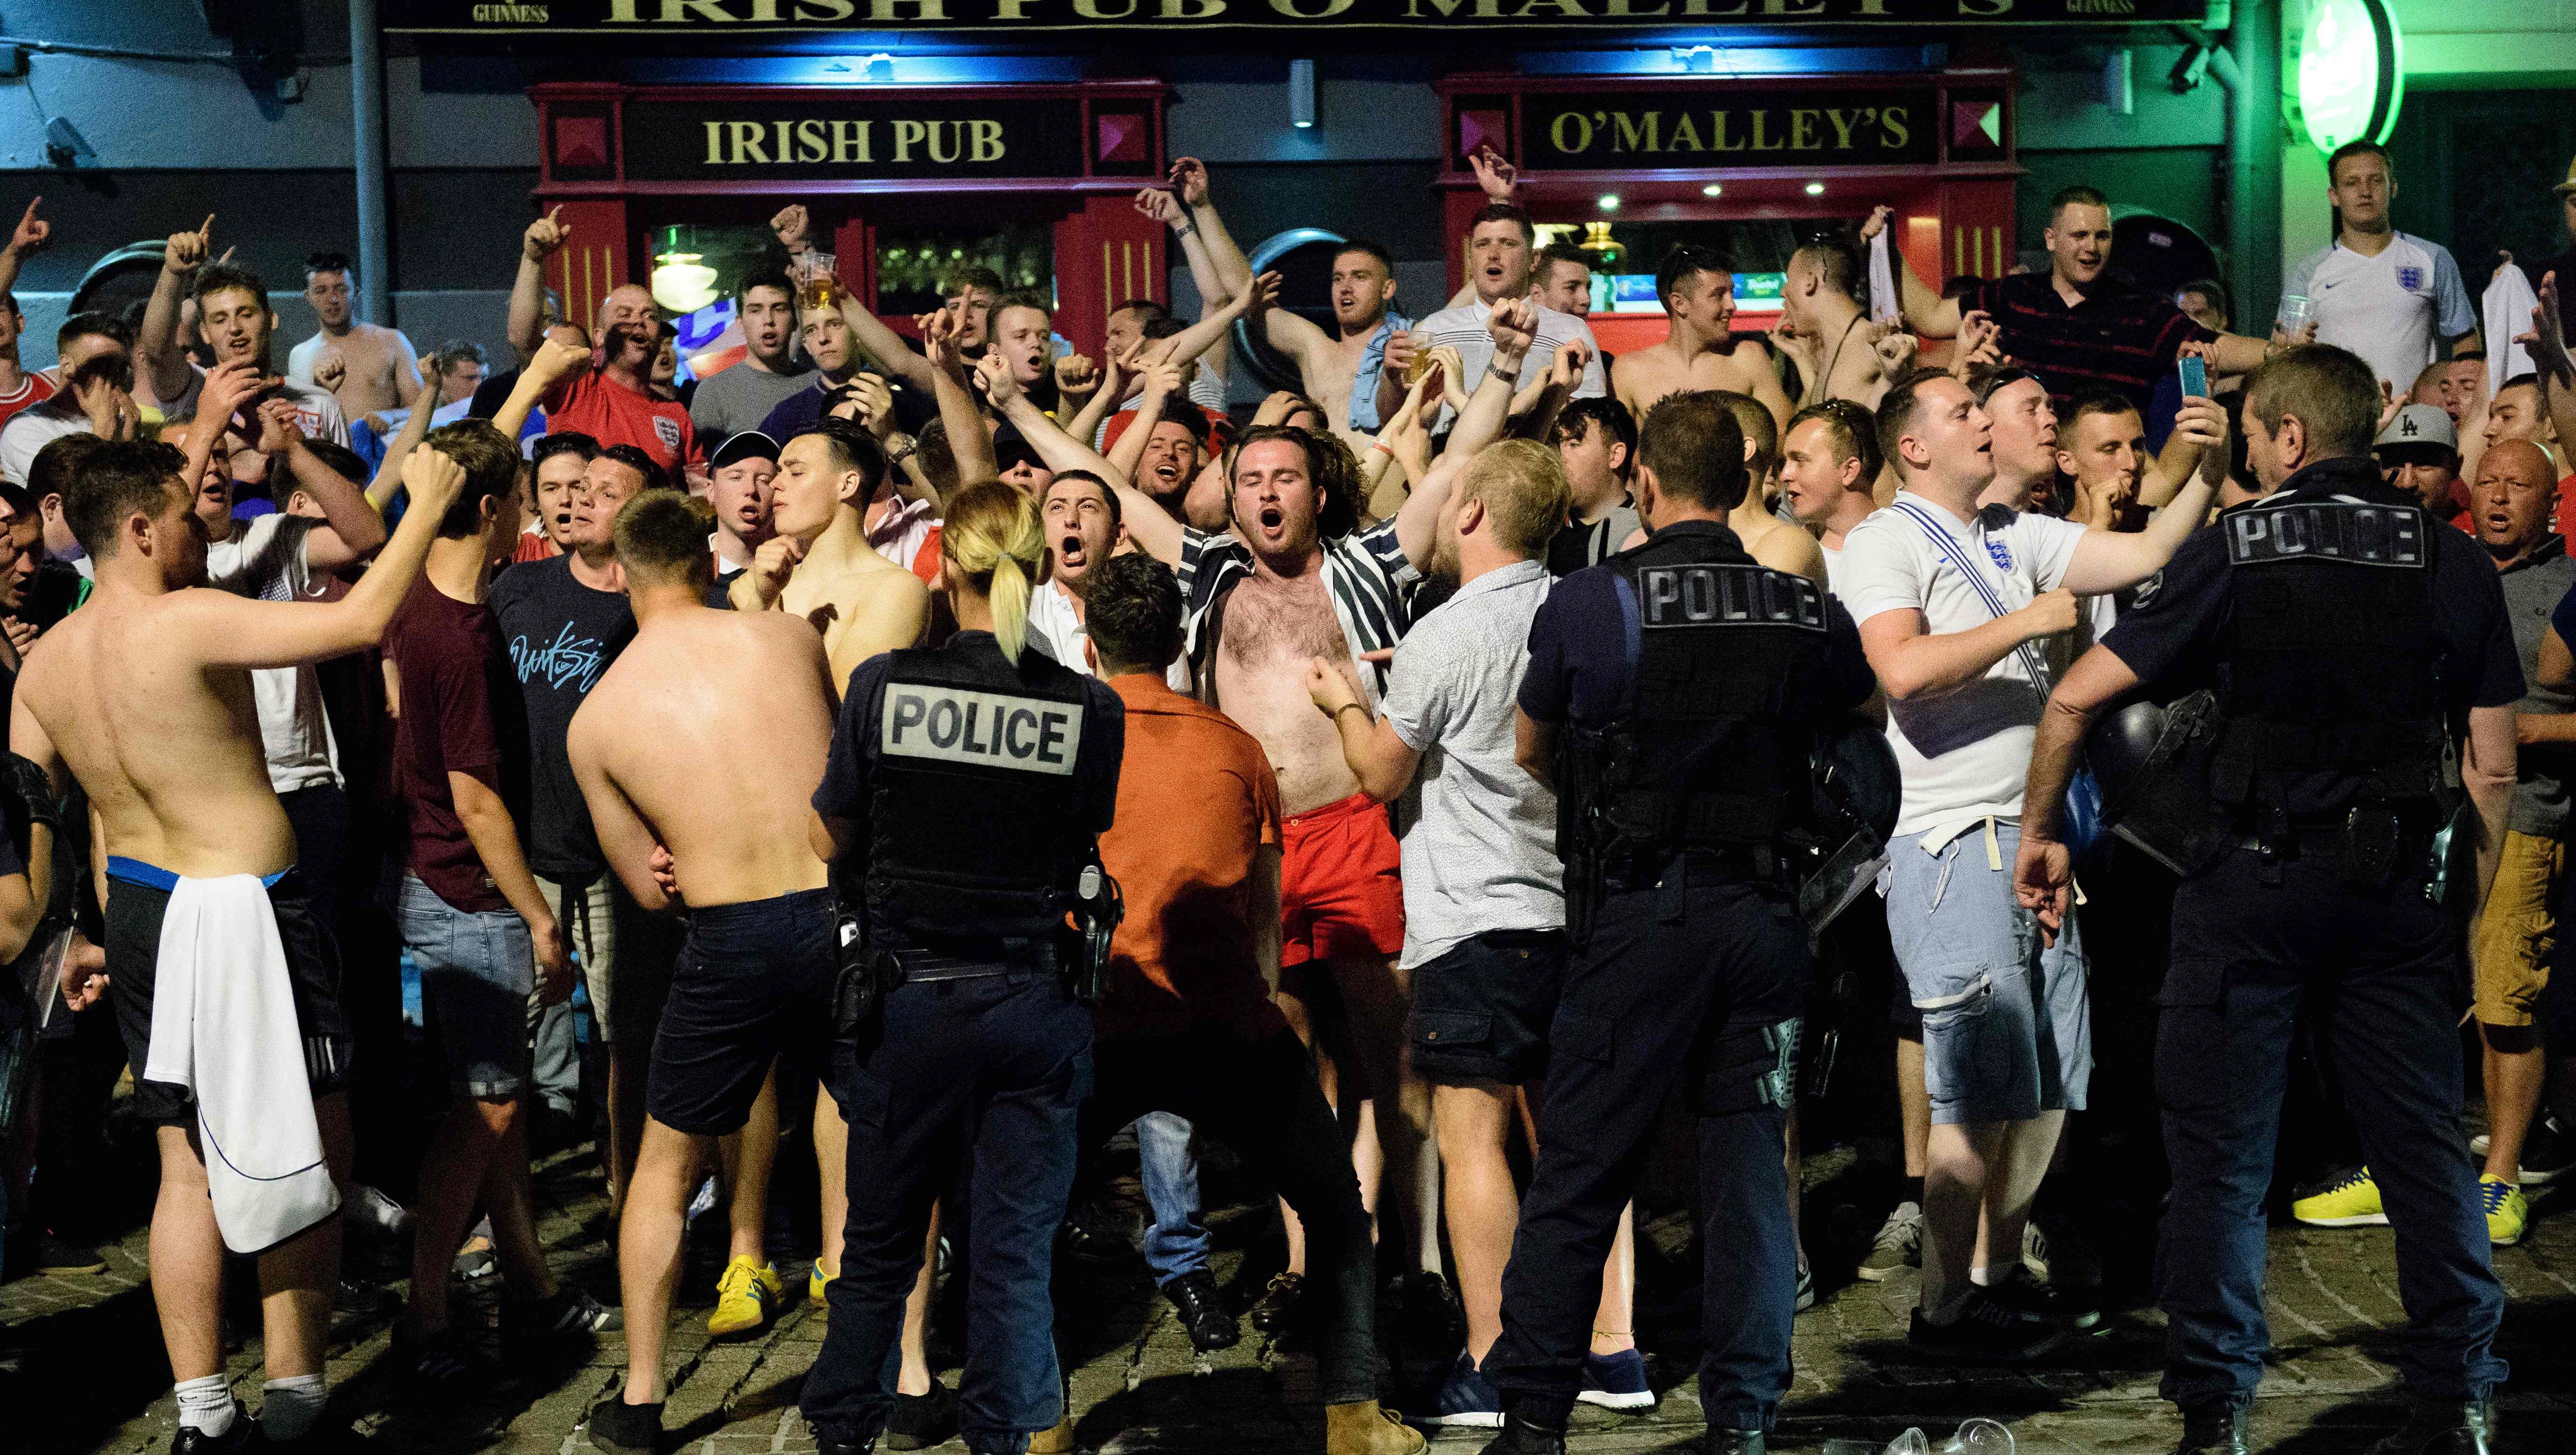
1269	620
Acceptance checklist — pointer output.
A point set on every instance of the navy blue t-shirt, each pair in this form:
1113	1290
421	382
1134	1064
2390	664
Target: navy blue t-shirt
845	793
1584	645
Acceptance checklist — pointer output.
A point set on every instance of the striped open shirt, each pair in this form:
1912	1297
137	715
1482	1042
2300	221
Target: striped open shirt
1366	575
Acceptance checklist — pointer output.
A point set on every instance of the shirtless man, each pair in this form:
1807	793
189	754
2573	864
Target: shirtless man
378	369
145	693
657	748
819	565
1776	543
1825	330
1699	352
1263	602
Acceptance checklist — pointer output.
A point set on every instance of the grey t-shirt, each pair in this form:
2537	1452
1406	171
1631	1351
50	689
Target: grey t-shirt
730	401
1482	854
2532	591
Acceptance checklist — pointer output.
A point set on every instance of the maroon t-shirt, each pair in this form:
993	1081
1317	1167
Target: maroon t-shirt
452	675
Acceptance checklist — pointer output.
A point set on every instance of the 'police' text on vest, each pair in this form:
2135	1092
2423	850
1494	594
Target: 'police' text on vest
984	729
1710	595
2346	531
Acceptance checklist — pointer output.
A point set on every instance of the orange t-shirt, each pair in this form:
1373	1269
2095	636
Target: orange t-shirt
1196	803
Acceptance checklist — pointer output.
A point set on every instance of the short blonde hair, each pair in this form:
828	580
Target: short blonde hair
993	542
1521	484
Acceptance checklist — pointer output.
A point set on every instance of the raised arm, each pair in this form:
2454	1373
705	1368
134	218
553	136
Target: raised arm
1115	375
156	347
28	239
1162	381
2108	561
415	428
1059	450
1513	326
351	530
1166	208
226	390
224	630
1189	181
970	444
1928	313
527	322
2547	342
554	362
1212	326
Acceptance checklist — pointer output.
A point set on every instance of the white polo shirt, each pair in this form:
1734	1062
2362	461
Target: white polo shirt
2392	310
1963	754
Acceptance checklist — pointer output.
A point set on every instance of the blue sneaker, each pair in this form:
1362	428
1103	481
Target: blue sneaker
1616	1381
1467	1399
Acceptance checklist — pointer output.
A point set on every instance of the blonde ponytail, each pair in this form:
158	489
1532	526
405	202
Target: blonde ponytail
993	542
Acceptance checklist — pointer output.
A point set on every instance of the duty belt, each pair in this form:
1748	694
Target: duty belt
917	967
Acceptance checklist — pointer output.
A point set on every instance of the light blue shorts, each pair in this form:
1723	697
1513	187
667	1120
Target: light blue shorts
476	973
2007	1030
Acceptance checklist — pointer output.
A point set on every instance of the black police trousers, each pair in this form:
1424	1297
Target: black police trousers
1260	1099
2253	948
1674	987
999	1065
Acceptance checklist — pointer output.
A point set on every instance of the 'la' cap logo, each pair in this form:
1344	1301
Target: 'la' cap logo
2406	427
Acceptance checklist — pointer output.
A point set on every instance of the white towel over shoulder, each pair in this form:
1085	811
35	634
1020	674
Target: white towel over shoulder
2507	311
223	1026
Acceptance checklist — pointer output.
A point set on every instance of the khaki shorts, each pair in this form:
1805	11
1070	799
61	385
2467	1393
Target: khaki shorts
625	955
2518	928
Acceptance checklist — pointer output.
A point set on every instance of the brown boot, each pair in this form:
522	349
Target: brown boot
1058	1441
1361	1428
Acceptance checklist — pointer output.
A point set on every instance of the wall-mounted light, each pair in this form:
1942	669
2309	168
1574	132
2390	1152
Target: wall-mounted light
1711	190
2119	81
1815	189
1698	60
877	68
681	281
2352	72
1609	202
1301	95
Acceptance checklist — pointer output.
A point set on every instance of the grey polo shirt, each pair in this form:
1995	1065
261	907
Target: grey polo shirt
2532	590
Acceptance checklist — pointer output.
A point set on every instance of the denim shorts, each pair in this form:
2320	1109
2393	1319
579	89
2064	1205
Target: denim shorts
476	973
2007	1030
1481	1008
753	985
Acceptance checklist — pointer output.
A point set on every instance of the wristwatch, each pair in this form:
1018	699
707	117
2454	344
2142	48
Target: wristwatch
901	447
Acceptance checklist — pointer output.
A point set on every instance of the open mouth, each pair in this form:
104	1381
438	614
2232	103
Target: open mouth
1069	552
1168	472
1272	517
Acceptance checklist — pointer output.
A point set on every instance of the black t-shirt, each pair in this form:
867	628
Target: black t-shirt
560	636
2180	630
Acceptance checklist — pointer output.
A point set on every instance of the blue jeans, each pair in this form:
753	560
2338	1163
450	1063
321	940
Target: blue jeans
1005	1059
2380	969
477	970
1177	1244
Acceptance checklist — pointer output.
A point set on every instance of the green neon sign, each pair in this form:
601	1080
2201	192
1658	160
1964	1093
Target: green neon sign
2352	72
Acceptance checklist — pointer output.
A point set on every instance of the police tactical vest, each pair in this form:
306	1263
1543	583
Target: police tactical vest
974	835
2333	668
1715	752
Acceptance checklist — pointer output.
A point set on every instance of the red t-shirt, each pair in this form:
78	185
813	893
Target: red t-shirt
613	414
33	388
455	685
534	545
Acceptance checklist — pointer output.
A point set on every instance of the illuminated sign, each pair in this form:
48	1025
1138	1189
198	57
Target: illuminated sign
2352	72
702	20
851	135
1740	129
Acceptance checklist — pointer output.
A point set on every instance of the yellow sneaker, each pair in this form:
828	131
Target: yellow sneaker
816	1283
2507	1211
2350	1201
746	1295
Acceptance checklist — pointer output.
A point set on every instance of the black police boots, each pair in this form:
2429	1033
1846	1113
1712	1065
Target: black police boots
2467	1428
1519	1437
2215	1429
1204	1316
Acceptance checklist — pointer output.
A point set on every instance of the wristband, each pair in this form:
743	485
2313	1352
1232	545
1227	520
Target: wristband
1347	707
33	792
1184	229
1383	447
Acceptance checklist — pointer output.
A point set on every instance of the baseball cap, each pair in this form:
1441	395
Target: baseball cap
744	445
2563	188
2418	429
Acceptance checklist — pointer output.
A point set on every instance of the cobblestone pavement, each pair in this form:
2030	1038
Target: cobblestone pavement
84	1356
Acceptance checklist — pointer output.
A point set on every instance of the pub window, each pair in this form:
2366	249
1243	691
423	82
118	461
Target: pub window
913	260
697	265
1626	255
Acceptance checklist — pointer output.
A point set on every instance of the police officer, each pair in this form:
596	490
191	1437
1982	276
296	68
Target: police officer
1683	686
2362	667
964	794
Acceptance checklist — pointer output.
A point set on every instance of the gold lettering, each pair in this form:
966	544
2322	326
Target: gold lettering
622	12
906	135
1013	9
1485	9
1760	117
956	143
850	141
786	148
747	142
1803	135
1619	8
674	11
825	10
1556	131
1873	7
1627	136
1985	7
810	146
1843	121
715	143
1090	10
1685	137
988	137
929	9
1892	120
1192	9
1561	7
1717	133
1336	7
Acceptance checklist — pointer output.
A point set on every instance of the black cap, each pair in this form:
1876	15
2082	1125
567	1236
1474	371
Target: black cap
745	445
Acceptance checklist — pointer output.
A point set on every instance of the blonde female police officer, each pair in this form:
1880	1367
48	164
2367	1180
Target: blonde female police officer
964	793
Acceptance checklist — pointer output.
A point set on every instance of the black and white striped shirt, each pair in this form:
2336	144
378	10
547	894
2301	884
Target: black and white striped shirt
1366	575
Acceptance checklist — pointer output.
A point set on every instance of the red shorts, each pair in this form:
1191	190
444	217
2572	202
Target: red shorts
1339	894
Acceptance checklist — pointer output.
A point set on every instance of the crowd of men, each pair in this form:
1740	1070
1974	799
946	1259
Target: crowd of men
1481	745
